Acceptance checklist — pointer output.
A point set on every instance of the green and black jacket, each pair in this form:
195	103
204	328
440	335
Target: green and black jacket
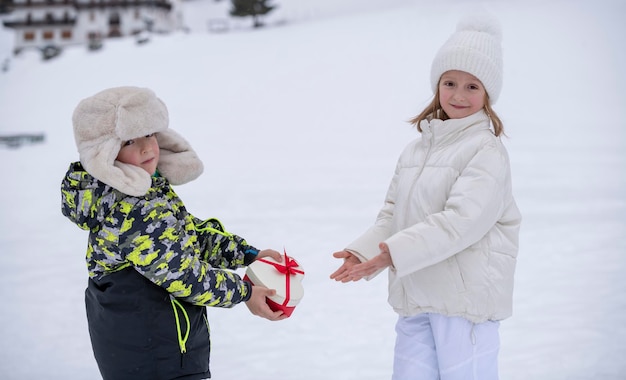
153	267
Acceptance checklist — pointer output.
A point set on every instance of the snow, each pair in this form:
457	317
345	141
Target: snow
299	125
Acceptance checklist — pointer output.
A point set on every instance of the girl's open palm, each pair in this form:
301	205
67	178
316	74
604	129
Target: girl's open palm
377	263
343	273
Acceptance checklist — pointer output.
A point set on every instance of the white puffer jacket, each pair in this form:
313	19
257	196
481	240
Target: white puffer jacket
451	224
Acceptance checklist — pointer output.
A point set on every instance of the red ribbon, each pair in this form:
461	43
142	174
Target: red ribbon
287	267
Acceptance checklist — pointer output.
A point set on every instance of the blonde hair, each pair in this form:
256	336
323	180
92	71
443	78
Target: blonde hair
435	111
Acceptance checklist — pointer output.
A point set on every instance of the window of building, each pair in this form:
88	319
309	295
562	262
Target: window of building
48	34
114	18
66	34
29	36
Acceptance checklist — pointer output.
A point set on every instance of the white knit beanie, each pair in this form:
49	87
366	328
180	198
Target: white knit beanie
105	120
475	48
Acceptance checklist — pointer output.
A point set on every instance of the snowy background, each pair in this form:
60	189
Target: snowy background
299	125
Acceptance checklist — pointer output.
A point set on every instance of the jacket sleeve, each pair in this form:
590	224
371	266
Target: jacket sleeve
474	205
365	247
166	251
222	249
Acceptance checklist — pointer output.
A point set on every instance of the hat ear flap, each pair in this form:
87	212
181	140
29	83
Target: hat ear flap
130	179
99	159
178	162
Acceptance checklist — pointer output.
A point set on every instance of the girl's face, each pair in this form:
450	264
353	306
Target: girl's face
461	94
142	152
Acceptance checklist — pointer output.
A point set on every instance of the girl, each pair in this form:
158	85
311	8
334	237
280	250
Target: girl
153	267
448	230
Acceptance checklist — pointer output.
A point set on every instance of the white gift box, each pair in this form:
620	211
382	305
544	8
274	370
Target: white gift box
286	277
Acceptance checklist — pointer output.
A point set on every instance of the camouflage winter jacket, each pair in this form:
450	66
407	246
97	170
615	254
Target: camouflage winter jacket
157	237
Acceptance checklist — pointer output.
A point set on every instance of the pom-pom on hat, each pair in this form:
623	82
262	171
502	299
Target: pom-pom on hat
475	48
104	121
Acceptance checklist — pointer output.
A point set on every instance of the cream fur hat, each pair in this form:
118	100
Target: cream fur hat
475	48
105	120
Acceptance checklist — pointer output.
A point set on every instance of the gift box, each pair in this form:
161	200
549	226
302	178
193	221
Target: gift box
286	277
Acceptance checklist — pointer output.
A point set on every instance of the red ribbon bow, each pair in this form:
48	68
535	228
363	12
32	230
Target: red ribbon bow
287	267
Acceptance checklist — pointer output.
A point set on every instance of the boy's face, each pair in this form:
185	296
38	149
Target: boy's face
142	152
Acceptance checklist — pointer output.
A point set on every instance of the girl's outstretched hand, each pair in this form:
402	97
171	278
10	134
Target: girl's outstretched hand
368	268
343	273
270	253
258	306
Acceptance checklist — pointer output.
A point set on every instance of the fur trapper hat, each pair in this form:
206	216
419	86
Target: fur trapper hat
475	48
104	121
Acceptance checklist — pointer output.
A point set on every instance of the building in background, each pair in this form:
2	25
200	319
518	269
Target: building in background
51	25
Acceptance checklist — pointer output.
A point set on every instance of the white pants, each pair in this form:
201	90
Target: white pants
435	347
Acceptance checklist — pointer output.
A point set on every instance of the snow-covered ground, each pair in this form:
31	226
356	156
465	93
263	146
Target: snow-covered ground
299	125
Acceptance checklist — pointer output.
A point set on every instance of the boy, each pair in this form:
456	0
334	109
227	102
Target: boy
153	267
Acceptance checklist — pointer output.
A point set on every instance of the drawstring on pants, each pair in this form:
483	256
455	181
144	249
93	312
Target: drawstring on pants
182	341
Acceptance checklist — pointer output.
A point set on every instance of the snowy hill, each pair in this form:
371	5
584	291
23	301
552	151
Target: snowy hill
299	125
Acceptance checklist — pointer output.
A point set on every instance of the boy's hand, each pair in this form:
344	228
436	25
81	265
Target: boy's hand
343	273
270	253
258	306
